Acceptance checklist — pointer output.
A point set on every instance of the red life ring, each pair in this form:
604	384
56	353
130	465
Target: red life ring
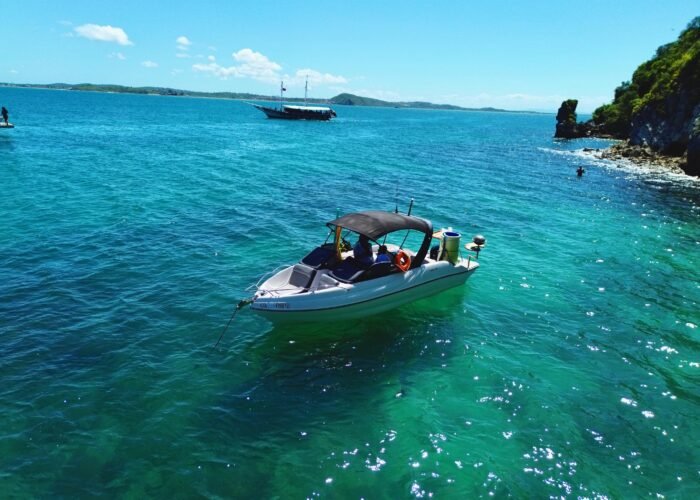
402	260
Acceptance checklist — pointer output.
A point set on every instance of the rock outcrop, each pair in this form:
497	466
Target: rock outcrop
567	127
657	112
693	165
671	128
642	155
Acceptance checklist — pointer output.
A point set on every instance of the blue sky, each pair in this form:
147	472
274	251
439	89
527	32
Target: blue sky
509	54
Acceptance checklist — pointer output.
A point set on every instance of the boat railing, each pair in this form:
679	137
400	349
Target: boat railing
266	276
461	257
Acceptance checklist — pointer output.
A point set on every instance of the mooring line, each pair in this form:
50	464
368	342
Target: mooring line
240	306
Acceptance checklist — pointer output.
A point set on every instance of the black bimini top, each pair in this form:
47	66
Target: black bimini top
376	223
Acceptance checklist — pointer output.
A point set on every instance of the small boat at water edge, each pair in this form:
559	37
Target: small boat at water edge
6	125
293	112
332	284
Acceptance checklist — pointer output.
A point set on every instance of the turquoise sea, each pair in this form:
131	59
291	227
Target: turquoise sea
130	226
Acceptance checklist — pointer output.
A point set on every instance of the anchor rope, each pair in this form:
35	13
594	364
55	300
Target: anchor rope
239	306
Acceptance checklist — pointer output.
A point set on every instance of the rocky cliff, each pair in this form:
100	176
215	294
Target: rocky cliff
567	128
659	108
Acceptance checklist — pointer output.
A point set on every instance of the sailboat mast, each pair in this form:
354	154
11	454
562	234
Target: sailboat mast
281	92
306	89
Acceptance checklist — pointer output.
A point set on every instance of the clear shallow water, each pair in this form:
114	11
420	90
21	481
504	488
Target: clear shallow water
130	225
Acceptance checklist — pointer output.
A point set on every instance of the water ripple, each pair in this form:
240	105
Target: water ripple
568	365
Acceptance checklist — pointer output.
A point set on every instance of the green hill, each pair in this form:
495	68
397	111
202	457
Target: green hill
340	100
660	106
356	100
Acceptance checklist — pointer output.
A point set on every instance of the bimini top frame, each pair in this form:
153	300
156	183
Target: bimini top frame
376	223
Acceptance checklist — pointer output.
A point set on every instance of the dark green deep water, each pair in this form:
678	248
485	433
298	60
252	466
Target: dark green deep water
569	364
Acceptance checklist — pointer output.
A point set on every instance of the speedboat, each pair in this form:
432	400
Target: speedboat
331	283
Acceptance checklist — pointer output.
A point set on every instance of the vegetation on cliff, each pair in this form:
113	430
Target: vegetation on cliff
675	69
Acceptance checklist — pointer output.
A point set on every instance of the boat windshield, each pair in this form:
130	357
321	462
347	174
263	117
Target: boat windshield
407	239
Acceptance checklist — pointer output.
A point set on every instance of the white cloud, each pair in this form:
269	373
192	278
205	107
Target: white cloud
103	33
184	41
257	66
14	71
317	78
215	70
117	55
182	55
183	45
149	64
251	65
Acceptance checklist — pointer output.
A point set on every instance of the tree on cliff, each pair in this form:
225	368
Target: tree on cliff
673	72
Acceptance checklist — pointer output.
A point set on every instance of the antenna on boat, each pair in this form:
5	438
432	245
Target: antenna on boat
282	89
410	207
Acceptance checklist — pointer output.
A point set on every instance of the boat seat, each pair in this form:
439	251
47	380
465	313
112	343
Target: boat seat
320	257
377	270
347	271
302	276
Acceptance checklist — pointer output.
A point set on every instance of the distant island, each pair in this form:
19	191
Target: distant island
356	100
657	113
341	99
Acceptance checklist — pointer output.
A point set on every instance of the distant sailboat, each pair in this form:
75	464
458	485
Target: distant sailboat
291	112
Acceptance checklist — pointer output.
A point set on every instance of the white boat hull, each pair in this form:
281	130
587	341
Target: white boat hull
357	300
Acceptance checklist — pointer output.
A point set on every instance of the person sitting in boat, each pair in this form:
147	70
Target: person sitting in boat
362	251
383	254
4	114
